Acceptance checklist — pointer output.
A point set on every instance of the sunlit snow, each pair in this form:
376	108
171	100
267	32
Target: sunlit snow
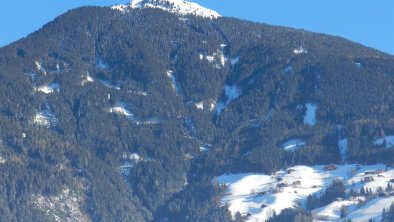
121	109
293	144
180	7
174	83
259	195
40	67
50	88
86	79
300	50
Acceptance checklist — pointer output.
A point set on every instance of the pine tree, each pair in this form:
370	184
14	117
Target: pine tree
362	191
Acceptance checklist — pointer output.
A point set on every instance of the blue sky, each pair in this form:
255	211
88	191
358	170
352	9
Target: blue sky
370	22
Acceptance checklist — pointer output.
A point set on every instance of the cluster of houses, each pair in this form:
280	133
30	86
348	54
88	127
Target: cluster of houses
369	175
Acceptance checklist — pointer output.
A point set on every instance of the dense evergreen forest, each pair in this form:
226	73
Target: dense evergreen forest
129	116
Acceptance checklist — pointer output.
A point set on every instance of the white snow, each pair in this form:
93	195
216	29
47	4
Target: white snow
50	88
212	106
210	58
86	79
121	109
217	58
199	105
293	144
174	83
300	50
204	149
109	85
372	209
260	195
138	93
179	7
2	160
41	119
333	210
40	67
67	205
147	122
129	161
342	144
387	141
45	117
358	64
310	115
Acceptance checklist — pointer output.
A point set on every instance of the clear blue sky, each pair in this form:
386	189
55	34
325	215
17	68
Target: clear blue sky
370	22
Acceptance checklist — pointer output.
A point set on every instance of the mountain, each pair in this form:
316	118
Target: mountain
180	7
138	114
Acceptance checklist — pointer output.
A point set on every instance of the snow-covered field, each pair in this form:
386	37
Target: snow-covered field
259	195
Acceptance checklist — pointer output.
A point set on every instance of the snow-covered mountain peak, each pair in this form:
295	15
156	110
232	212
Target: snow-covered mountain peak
180	7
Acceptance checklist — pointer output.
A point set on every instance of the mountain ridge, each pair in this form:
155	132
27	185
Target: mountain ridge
132	95
180	7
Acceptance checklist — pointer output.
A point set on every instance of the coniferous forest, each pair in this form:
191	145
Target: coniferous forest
110	116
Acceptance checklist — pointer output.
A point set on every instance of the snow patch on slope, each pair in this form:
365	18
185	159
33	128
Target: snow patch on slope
232	93
45	117
343	148
50	88
217	58
387	141
293	144
121	109
40	67
179	7
129	161
66	206
174	83
86	79
310	115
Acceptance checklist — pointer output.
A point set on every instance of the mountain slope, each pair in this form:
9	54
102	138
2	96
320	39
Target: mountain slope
135	112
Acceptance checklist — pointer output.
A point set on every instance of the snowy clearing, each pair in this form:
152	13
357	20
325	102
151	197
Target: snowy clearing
121	109
50	88
293	144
